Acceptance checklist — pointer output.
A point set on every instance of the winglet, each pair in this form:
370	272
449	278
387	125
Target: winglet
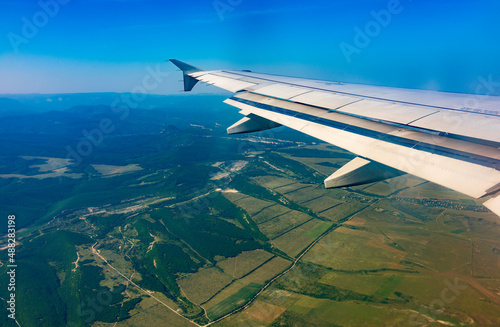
189	82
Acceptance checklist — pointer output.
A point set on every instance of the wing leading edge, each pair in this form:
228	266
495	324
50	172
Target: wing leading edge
437	136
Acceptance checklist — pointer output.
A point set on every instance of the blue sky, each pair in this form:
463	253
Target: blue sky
52	46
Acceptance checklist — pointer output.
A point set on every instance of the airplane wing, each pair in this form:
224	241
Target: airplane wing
450	139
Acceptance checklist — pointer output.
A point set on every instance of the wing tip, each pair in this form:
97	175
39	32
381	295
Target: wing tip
185	67
189	82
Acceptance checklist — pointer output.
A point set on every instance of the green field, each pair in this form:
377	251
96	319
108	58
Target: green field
234	301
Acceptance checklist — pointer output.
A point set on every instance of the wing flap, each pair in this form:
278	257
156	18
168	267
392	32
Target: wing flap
233	85
391	112
462	123
281	91
326	100
365	139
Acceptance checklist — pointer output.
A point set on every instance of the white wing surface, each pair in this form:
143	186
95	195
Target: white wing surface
450	139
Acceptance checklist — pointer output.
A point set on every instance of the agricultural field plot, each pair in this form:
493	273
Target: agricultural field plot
321	204
237	291
343	210
261	312
253	205
296	240
244	263
442	252
337	193
202	285
367	284
345	249
270	213
287	189
272	182
431	190
304	310
392	186
281	224
471	298
382	188
234	301
304	193
242	290
424	246
357	314
356	221
390	209
318	230
234	196
268	270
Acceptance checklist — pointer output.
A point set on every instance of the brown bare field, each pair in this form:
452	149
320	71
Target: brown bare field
356	221
264	312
